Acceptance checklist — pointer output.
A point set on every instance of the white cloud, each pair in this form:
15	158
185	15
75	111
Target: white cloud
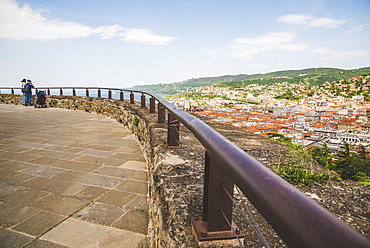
326	22
321	50
330	55
24	23
295	18
359	28
27	24
345	55
311	21
145	36
281	64
108	32
247	48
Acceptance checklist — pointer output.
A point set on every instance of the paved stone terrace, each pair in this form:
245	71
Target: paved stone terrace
70	179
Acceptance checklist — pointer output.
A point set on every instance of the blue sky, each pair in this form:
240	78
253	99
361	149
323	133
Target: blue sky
122	43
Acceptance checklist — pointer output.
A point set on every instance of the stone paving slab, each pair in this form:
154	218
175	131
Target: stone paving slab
116	198
25	196
72	176
100	213
6	189
130	221
115	171
134	186
102	181
70	179
11	239
44	244
38	223
81	234
140	175
12	214
42	171
135	165
59	205
90	193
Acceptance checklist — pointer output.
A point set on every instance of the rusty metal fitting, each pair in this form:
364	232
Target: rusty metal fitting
204	233
196	217
237	231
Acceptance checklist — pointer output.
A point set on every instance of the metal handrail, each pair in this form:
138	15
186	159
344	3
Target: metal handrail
71	87
299	221
78	88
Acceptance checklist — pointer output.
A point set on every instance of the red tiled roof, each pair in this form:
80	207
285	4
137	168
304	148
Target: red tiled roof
252	130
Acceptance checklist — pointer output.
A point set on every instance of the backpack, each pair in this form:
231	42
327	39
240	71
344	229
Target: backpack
27	88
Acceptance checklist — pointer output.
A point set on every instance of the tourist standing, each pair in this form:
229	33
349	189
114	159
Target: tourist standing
24	81
28	92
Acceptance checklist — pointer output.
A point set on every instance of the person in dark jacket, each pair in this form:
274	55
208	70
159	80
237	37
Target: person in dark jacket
27	91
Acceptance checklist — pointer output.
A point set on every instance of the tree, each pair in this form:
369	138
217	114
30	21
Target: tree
345	163
362	153
322	155
288	96
352	165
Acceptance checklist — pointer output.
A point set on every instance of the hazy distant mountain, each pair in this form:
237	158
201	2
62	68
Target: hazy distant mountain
315	76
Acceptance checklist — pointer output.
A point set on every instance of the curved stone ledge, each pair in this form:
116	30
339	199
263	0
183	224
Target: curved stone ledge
176	189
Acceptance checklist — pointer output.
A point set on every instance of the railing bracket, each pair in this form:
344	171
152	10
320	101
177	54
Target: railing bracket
166	146
200	232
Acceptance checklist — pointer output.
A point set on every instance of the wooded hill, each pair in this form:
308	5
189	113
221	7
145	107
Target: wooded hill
315	76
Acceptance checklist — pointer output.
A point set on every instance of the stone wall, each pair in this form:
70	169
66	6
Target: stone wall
176	189
167	219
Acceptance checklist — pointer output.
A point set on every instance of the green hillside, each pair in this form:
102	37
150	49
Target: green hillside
315	76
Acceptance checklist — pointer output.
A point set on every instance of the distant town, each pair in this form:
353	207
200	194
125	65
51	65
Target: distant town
334	112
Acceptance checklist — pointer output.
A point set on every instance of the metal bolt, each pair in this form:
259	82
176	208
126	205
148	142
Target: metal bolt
204	233
196	217
237	231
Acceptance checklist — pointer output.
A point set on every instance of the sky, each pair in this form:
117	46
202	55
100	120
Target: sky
122	43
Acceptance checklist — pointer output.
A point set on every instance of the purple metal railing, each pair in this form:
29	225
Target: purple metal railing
299	221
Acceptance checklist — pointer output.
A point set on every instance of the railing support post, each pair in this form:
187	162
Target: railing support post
99	93
216	204
48	92
142	101
12	91
61	92
74	92
121	96
152	105
132	98
173	141
161	114
87	92
109	94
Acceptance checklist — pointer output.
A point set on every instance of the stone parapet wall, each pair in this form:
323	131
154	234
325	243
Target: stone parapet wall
165	229
176	189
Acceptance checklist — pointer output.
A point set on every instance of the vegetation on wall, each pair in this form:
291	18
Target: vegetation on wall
294	168
353	165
